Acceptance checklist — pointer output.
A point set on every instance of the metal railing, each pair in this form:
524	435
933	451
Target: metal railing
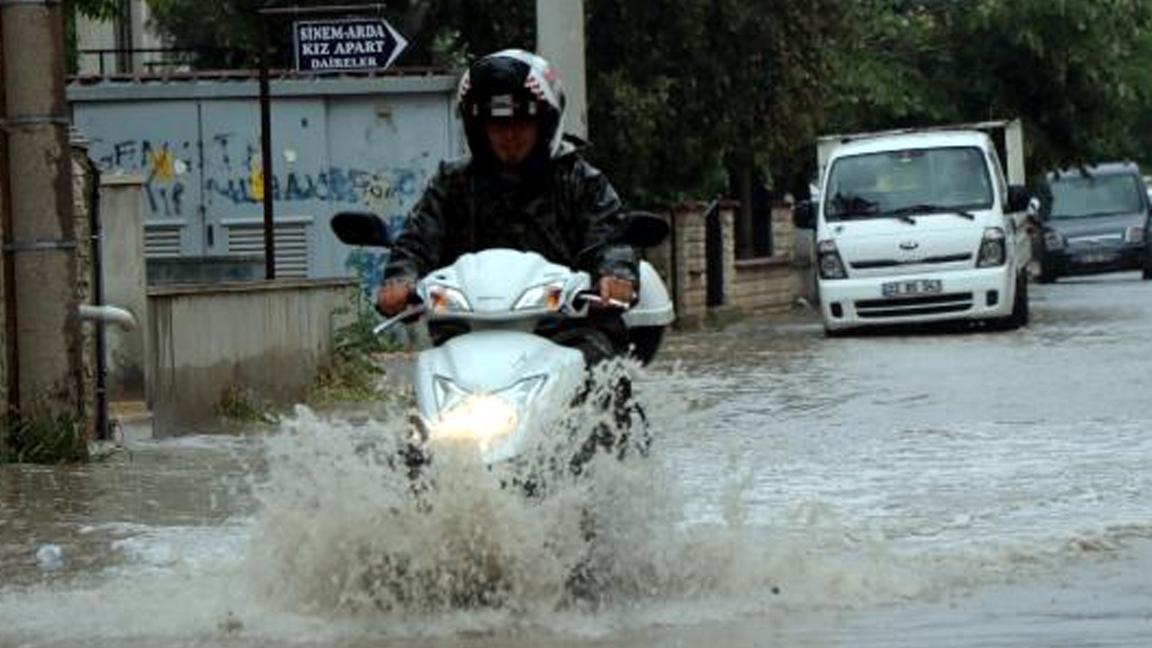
124	59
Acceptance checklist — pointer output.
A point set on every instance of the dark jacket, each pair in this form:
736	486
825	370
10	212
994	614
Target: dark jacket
569	214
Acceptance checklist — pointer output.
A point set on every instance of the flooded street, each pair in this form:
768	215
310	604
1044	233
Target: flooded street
959	488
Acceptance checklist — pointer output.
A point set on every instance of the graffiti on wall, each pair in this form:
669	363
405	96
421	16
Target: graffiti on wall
218	175
166	167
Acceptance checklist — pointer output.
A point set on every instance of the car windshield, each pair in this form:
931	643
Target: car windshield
1079	196
910	182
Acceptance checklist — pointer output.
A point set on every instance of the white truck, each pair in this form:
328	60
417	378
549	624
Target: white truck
921	225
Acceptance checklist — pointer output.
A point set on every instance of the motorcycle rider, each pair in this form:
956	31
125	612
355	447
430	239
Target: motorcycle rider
525	186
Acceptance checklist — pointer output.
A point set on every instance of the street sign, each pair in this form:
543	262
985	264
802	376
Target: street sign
341	45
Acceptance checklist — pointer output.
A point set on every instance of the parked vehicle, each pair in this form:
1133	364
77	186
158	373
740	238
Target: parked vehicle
920	225
499	375
1096	219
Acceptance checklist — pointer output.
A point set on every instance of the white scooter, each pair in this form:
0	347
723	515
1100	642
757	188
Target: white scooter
496	379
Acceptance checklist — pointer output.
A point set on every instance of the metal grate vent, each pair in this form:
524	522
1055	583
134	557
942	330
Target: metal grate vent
291	244
162	241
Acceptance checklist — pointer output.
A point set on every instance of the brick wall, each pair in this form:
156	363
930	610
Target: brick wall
767	283
689	275
758	285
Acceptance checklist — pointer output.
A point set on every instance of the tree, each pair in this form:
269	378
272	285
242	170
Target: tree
722	85
1063	66
1074	72
738	89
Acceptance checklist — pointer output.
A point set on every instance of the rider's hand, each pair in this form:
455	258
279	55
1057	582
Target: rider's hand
392	297
616	289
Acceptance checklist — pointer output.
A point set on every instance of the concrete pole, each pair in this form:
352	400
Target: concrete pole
41	244
7	352
560	39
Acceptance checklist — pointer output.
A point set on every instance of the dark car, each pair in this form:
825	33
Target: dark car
1096	219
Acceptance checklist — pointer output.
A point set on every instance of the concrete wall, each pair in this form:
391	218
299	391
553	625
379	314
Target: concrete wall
82	181
269	337
122	212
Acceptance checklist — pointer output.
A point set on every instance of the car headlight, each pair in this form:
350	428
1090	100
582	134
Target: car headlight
486	419
545	296
442	299
1134	234
1053	240
992	249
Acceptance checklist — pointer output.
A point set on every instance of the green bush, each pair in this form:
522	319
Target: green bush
44	437
241	405
351	373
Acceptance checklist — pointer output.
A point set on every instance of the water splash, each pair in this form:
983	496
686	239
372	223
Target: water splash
345	529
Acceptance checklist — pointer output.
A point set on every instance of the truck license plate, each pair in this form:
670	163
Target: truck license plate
912	287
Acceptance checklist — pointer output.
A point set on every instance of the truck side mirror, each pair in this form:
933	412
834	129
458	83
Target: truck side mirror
1018	199
804	215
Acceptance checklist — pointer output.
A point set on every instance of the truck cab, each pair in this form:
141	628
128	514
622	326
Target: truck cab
918	226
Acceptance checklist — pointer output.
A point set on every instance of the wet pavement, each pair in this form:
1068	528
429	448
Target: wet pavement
937	487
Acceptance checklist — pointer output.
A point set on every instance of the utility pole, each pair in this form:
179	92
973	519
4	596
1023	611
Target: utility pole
39	238
560	39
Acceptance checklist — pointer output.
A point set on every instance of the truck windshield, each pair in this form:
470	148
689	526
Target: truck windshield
1078	196
901	183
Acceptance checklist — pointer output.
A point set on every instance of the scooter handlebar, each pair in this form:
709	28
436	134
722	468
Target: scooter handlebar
410	313
590	297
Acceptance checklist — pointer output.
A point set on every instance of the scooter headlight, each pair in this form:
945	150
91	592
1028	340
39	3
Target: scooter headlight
443	299
485	419
542	297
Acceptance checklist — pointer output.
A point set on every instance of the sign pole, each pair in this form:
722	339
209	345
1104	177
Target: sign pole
560	39
266	157
372	45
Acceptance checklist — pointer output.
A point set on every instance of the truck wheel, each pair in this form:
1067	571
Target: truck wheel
1047	276
1021	307
1021	310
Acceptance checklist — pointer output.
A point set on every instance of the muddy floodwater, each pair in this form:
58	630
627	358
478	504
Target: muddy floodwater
930	488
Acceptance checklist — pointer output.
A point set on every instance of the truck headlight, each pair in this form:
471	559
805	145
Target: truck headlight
1053	240
828	261
992	249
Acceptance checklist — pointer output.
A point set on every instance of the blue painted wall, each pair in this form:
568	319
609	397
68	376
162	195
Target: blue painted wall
338	144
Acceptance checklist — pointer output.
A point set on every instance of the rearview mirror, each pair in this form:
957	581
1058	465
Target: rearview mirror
803	215
644	229
1018	199
361	228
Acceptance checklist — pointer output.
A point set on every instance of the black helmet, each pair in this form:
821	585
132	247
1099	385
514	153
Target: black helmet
511	83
